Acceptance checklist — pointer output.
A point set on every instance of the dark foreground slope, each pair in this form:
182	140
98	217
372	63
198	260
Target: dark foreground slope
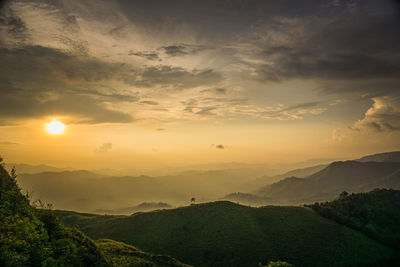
226	234
31	237
28	238
377	214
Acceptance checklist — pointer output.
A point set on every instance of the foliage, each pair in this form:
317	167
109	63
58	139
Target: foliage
377	214
277	264
30	237
35	237
227	234
121	255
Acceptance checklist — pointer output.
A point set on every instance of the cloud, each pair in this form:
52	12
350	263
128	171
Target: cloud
355	44
183	49
383	115
12	28
146	55
381	123
55	82
175	50
103	148
173	77
39	81
8	143
217	91
149	102
281	112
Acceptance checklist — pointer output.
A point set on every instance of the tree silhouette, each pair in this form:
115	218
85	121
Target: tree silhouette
193	200
344	194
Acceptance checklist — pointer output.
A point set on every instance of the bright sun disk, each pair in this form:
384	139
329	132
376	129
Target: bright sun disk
55	127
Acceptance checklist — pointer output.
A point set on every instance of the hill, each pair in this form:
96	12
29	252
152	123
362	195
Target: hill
32	237
382	157
29	168
145	206
376	213
351	176
247	199
227	234
29	238
68	189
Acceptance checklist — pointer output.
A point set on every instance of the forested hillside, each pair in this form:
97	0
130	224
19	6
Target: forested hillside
31	237
227	234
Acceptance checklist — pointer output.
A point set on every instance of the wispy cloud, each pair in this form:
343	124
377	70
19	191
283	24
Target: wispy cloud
104	148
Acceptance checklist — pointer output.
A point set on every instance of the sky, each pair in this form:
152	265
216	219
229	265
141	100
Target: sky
162	83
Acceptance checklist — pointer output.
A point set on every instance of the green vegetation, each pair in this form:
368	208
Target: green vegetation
226	234
121	255
277	264
32	237
377	214
29	238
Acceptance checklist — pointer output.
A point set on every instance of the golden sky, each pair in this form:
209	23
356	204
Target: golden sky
156	83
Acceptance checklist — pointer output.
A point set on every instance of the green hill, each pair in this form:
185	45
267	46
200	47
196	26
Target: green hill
227	234
376	214
31	237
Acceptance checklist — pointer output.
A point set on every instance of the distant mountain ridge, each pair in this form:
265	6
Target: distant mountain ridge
351	176
145	206
382	157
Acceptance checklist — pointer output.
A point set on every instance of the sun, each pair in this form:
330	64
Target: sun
55	127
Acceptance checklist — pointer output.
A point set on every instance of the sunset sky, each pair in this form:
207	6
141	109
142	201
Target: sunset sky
157	83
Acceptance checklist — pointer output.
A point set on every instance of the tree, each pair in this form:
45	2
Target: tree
193	200
276	264
344	194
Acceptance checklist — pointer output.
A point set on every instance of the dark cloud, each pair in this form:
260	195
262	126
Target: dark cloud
175	50
149	102
39	81
11	24
146	55
183	49
217	91
211	20
357	45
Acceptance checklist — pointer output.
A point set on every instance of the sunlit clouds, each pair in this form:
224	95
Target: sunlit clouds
257	75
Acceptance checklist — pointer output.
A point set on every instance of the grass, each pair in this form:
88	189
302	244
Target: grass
123	255
227	234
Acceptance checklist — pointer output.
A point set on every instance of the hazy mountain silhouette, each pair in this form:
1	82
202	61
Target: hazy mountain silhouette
29	168
350	176
145	206
382	157
88	191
